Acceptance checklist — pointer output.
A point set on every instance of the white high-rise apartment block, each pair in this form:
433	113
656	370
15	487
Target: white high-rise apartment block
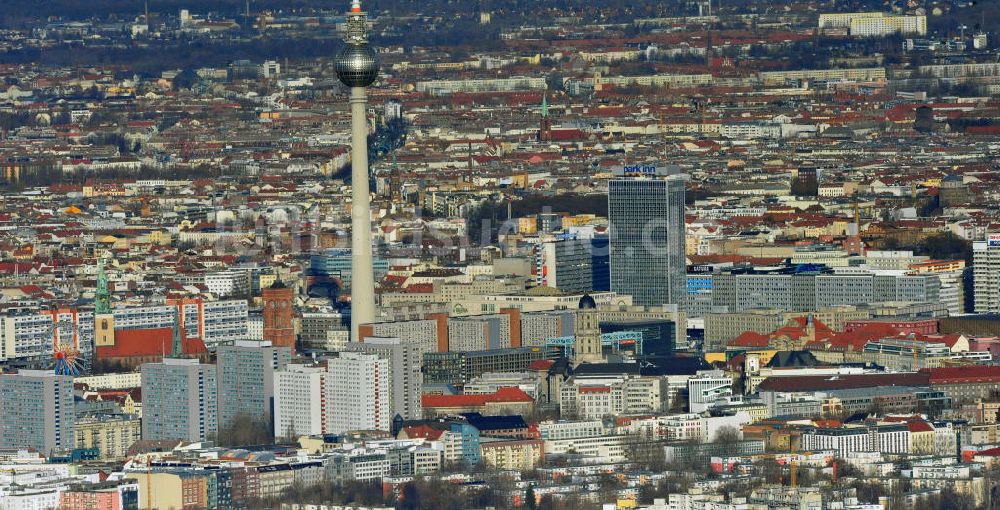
300	401
359	393
986	274
406	379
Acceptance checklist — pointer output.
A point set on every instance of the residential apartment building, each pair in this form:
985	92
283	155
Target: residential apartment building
246	379
32	335
179	400
783	290
406	377
112	435
845	440
986	274
300	393
875	24
359	392
429	335
36	411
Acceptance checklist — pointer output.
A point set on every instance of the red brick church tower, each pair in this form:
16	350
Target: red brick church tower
278	327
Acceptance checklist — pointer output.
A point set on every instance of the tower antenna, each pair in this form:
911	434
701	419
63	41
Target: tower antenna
357	66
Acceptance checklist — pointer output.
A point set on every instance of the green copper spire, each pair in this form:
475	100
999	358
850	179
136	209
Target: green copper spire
177	346
545	105
102	297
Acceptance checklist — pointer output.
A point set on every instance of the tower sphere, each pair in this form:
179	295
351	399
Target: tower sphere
357	65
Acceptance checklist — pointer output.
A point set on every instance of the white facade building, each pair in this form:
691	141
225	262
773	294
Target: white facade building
706	387
359	393
882	438
406	378
986	274
299	397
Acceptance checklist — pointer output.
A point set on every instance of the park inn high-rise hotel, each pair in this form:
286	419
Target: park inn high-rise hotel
646	212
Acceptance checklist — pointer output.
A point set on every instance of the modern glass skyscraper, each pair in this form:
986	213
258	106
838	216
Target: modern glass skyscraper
647	239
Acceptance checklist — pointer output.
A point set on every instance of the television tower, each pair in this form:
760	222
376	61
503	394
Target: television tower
357	67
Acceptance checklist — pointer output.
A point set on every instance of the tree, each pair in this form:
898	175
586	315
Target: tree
727	435
243	430
529	498
186	79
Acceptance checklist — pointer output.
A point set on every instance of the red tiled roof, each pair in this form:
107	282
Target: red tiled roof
842	382
992	452
502	396
750	339
147	342
919	426
963	375
541	364
422	431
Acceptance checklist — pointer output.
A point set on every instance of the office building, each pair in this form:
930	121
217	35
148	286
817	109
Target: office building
537	327
647	239
792	290
179	400
300	401
574	266
589	399
481	332
406	378
706	387
462	367
246	380
658	335
429	335
336	263
359	393
36	411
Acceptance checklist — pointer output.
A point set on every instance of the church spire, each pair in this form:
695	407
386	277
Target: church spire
102	296
177	346
545	124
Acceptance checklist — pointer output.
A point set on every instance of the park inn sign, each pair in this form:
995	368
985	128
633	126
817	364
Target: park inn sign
645	170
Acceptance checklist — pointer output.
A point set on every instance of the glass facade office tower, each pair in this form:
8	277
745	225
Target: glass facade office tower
647	239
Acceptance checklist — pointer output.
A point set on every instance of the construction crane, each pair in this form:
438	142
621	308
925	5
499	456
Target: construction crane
793	467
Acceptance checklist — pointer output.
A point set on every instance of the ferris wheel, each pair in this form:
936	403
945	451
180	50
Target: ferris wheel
66	359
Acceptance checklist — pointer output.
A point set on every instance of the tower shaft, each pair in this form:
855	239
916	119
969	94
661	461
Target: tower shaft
362	271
